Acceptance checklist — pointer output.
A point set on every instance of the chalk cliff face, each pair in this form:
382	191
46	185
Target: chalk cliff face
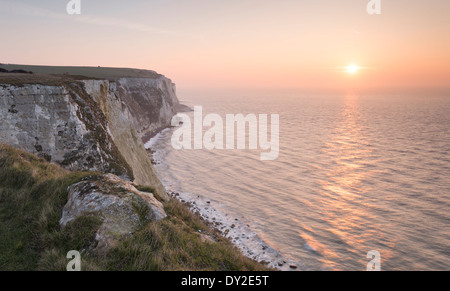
114	104
150	104
90	124
61	124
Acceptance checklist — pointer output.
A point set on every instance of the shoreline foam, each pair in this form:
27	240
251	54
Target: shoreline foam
230	226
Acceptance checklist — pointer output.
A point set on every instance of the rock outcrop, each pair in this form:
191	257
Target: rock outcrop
150	104
119	205
89	124
122	129
62	124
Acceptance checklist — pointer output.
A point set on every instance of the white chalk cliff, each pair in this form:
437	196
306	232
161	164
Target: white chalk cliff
89	124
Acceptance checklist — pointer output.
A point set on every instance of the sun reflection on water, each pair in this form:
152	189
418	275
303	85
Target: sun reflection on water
342	190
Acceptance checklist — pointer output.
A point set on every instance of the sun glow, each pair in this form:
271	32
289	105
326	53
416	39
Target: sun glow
352	69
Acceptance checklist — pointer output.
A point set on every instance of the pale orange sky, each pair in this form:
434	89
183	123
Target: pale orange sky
245	43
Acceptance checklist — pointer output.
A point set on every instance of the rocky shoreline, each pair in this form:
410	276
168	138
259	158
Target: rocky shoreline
231	227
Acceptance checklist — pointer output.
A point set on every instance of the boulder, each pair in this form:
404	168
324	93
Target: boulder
121	207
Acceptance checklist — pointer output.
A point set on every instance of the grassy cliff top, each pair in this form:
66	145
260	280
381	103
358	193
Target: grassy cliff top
55	73
33	193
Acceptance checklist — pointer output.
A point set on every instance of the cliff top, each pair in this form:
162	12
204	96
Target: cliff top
17	74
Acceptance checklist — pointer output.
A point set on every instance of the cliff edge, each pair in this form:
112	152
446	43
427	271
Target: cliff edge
86	122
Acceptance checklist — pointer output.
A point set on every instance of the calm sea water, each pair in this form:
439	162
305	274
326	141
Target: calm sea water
355	173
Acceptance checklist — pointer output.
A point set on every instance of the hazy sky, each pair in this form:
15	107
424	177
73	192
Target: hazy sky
239	43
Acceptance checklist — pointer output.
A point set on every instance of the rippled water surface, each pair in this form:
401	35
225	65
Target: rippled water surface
355	173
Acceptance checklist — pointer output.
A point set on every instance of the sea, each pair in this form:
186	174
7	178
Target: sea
356	173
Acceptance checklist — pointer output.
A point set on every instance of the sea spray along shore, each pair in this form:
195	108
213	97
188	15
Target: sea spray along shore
75	176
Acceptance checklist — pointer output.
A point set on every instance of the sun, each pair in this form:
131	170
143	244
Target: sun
352	69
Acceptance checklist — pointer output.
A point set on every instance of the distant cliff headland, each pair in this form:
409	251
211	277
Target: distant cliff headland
74	175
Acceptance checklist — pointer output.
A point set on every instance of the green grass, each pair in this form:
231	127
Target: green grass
147	189
20	80
90	72
32	196
59	76
175	244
